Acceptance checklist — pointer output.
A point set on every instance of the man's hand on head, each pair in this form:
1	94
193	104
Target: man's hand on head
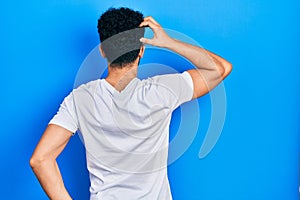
160	38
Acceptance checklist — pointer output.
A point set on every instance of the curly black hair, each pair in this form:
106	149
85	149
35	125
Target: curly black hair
119	35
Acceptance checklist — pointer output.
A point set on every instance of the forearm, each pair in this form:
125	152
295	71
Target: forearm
200	58
49	176
210	70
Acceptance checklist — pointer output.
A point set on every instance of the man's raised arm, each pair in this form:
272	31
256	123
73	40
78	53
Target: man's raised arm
211	68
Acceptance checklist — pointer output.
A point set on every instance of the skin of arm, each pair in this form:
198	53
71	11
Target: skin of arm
210	70
44	165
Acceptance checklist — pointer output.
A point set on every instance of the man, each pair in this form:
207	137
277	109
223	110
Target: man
124	121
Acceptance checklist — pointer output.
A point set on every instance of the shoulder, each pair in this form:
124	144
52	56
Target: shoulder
89	86
169	79
83	91
174	88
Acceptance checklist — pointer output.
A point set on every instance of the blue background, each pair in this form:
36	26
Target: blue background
43	44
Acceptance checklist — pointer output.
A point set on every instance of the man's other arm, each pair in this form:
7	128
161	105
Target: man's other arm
44	165
210	70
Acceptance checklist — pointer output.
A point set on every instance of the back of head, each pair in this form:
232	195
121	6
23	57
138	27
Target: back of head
119	35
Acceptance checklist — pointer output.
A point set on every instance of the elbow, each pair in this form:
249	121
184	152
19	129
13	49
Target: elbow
36	161
227	69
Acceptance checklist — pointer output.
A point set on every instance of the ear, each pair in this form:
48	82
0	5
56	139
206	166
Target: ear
101	51
142	50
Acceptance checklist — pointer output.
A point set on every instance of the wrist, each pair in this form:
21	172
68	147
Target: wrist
170	43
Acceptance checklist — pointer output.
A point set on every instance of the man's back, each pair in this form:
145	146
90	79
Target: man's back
126	133
123	121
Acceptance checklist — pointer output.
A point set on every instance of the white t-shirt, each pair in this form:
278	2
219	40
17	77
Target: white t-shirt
126	133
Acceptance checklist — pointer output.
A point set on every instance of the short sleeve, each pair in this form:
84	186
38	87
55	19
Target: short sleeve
66	116
175	88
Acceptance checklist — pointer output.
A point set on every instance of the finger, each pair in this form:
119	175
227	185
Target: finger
150	24
143	24
146	41
146	23
152	20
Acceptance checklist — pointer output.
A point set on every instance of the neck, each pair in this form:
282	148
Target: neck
120	77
